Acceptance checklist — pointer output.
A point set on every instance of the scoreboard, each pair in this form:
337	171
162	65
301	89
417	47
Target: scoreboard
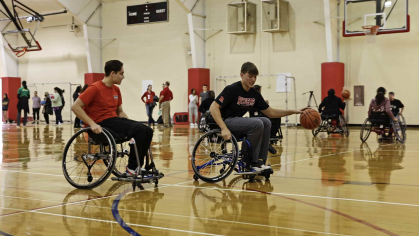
147	13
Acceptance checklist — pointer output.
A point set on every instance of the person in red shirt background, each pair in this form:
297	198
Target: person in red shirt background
101	106
149	103
164	104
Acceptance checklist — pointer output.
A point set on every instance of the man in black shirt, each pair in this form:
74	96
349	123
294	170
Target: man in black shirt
206	104
235	101
395	105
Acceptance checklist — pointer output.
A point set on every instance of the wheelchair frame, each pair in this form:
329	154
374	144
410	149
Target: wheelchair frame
108	154
380	128
231	161
327	126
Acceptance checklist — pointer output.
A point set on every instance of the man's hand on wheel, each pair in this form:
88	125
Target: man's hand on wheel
96	128
226	134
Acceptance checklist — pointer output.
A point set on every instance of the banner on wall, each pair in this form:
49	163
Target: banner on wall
283	84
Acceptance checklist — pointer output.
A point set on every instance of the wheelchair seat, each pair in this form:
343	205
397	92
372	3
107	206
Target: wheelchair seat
380	118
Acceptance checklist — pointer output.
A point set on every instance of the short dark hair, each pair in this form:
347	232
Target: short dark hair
249	68
391	93
204	85
211	94
112	65
257	87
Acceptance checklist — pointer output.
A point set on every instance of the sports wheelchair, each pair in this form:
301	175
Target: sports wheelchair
88	160
332	124
214	159
381	124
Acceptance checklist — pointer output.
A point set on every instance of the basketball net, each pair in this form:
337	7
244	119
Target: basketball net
370	32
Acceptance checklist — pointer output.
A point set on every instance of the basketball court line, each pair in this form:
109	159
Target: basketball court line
306	196
183	216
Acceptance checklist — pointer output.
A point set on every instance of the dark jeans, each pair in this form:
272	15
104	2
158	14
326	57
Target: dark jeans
77	122
46	116
58	117
133	129
35	114
150	108
25	116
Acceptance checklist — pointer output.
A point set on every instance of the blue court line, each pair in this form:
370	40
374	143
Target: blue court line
118	217
4	233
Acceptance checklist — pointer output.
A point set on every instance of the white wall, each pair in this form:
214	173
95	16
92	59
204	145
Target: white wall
155	52
392	62
62	59
299	51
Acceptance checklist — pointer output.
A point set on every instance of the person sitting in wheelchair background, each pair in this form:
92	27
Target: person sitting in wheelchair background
235	101
275	122
380	108
331	105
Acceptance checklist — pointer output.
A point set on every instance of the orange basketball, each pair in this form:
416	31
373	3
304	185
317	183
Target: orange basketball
346	94
310	119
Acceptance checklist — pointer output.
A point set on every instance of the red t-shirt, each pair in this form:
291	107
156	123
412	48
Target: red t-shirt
149	97
101	101
168	95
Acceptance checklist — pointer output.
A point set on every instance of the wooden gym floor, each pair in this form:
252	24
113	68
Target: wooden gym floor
322	186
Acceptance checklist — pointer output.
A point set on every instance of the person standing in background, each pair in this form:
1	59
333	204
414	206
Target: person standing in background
193	108
57	105
204	94
23	95
149	103
5	108
164	104
47	108
206	104
76	95
36	106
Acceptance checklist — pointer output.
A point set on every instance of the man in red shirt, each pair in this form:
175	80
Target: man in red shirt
101	106
164	104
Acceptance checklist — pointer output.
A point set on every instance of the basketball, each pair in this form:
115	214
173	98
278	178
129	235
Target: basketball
346	94
310	119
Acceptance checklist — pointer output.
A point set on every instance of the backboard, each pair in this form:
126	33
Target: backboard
391	15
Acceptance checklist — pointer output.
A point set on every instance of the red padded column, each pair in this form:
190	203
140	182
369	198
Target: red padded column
90	78
10	86
197	77
333	77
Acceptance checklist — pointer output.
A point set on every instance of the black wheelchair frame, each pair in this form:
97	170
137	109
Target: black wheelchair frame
332	124
102	152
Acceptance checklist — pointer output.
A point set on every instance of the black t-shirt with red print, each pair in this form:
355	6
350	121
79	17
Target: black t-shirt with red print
235	101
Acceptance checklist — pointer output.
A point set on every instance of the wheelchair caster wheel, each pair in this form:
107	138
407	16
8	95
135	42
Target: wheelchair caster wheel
267	176
89	177
195	177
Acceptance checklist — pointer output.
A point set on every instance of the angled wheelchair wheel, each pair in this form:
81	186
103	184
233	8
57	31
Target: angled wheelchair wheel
214	158
317	130
84	158
398	130
366	130
202	124
403	122
343	125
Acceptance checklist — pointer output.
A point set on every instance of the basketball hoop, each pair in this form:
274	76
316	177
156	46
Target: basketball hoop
22	52
370	32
